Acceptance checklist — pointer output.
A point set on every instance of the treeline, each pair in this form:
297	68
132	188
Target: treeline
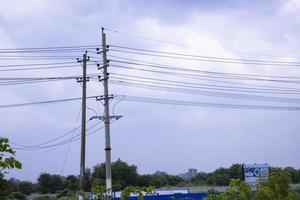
277	187
126	175
123	175
222	176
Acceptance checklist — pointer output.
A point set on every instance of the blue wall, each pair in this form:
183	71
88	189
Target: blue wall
194	196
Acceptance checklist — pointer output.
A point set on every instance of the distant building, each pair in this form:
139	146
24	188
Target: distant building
190	174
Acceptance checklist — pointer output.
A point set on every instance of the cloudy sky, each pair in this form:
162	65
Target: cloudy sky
154	137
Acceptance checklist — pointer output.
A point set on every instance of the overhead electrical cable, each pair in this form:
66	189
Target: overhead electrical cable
74	138
206	86
43	102
11	83
160	87
186	45
52	47
47	77
204	59
38	68
209	75
49	49
204	104
56	138
37	64
194	74
172	67
206	78
69	145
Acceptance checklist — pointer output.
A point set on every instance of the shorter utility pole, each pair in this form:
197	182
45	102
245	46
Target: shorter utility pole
83	80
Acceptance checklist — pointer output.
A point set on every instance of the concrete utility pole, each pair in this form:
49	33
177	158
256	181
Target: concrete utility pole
106	116
83	127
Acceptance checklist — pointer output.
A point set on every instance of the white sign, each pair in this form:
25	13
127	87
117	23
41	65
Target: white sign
254	173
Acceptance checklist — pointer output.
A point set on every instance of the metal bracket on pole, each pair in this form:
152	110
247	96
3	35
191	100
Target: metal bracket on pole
102	66
102	118
102	79
103	97
80	79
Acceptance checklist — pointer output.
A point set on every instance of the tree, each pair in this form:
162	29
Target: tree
275	188
72	183
236	171
7	162
25	187
277	185
122	173
57	183
293	173
87	183
4	187
44	183
200	178
219	177
146	180
139	191
48	183
101	193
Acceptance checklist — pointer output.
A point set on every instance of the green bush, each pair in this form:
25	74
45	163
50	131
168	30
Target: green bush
277	187
44	198
17	195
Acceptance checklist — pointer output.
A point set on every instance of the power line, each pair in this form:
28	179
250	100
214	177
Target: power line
69	145
43	102
45	78
161	87
74	138
13	83
205	86
38	68
52	47
42	145
207	57
200	73
204	104
49	49
203	59
187	46
37	64
210	78
37	57
172	67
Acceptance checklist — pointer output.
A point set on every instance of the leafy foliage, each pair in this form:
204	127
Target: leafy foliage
72	183
17	195
125	175
4	187
25	187
275	188
122	174
101	193
48	183
139	191
7	160
221	176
